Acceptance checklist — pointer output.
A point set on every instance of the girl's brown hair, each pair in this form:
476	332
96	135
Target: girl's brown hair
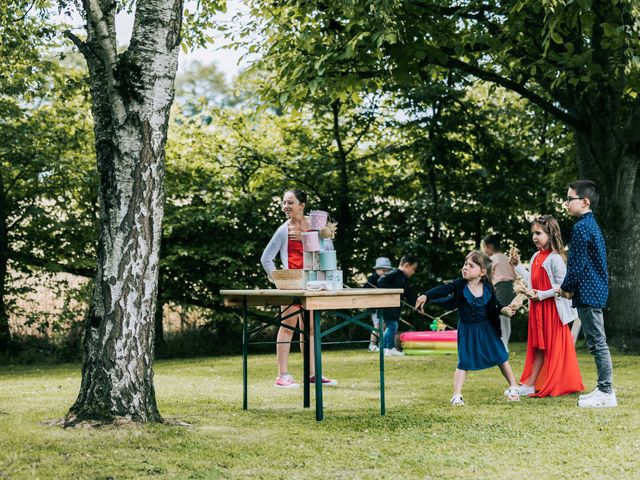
550	226
483	261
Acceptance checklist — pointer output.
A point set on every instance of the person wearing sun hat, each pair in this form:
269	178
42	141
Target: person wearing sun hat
382	266
397	278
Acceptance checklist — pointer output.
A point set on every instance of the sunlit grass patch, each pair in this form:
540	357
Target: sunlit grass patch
421	436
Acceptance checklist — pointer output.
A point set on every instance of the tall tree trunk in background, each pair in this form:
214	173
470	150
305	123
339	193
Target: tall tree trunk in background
5	334
344	239
623	245
132	94
608	152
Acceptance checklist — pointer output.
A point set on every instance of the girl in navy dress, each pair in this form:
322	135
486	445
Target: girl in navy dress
479	343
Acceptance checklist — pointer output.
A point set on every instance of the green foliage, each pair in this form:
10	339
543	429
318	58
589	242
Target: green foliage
577	61
46	162
214	225
46	185
202	87
326	49
23	30
548	51
427	173
371	108
197	20
439	167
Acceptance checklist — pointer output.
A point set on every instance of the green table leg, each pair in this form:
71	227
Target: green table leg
381	347
317	347
245	353
306	402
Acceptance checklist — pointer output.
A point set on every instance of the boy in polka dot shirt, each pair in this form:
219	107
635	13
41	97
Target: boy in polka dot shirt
587	283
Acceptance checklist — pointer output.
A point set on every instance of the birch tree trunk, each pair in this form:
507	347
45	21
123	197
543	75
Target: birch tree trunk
132	94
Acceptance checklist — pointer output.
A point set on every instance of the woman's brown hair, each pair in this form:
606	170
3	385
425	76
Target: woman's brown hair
550	226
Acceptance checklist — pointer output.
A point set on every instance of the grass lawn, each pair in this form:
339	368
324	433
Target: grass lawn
421	436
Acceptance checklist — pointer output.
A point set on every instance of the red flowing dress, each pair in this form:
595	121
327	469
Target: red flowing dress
560	374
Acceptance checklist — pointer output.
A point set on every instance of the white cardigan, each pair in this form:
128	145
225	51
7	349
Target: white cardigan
556	270
277	244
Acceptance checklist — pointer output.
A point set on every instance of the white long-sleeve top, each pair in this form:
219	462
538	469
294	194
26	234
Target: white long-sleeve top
556	270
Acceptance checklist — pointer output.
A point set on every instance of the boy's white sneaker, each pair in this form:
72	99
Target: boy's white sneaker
599	399
374	348
588	395
393	352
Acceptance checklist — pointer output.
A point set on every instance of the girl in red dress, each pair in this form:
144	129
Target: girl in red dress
551	365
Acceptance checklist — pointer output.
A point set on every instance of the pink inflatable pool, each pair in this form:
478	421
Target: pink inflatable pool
443	336
412	351
431	345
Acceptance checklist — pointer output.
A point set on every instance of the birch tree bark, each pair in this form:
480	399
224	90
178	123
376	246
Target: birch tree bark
132	93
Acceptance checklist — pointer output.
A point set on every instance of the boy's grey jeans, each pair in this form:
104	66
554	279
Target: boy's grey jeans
596	340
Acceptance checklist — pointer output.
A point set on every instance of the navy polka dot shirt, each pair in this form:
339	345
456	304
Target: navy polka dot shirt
587	275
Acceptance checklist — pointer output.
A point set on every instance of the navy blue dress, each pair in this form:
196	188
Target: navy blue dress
479	343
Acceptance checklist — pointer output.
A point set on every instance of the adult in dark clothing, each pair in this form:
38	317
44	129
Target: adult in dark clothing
381	267
397	278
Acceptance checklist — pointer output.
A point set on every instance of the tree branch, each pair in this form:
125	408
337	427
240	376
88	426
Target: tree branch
100	48
384	151
515	87
84	48
335	110
366	128
19	19
100	28
273	161
49	265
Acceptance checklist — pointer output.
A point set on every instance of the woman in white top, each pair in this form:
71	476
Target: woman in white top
287	243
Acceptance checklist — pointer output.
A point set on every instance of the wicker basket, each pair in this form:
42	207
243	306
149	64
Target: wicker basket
289	279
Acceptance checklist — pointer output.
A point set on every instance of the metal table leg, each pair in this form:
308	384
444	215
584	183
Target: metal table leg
245	352
317	347
381	347
306	402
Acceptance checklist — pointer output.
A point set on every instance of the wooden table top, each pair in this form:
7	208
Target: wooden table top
316	300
